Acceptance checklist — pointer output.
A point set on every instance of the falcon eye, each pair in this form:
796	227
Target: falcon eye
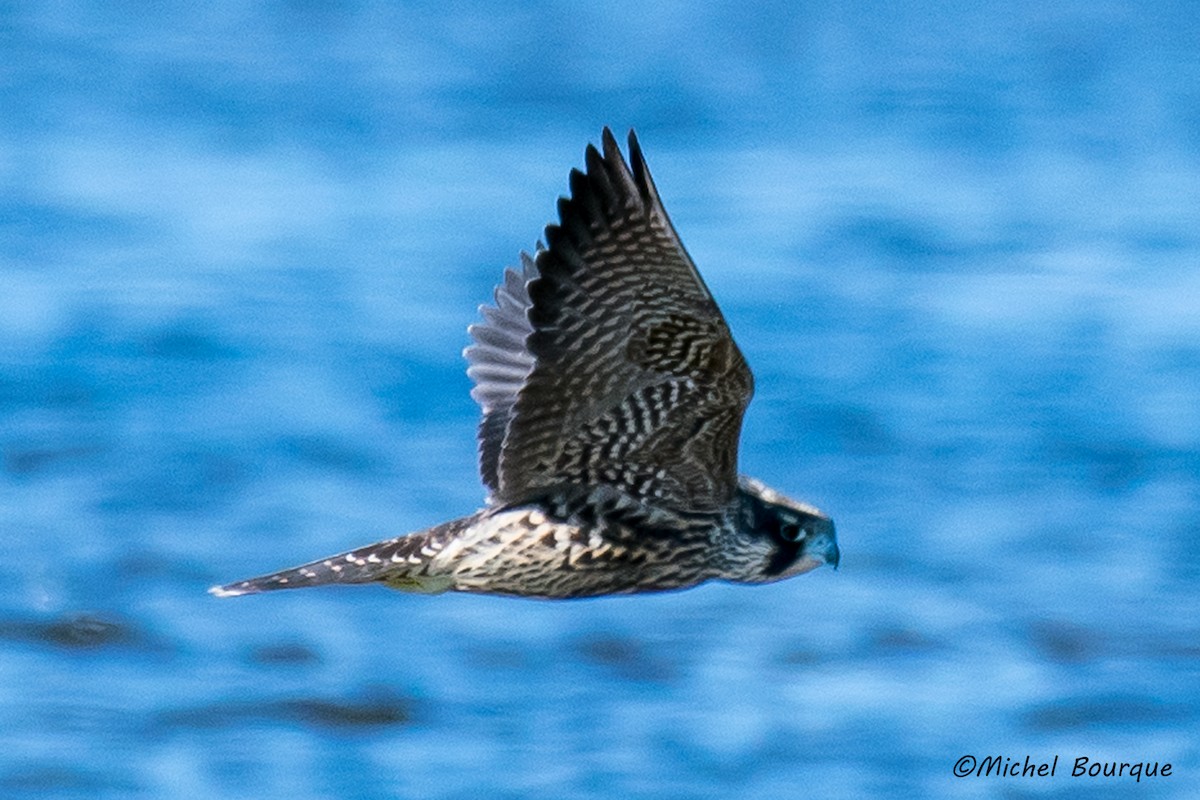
792	532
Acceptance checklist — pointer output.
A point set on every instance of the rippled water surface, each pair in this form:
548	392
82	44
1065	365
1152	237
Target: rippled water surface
239	246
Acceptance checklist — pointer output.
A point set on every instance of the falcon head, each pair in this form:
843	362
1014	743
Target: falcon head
789	537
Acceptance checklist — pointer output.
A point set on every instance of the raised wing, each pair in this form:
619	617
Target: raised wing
606	363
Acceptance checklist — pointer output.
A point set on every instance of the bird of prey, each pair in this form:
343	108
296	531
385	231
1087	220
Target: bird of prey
612	396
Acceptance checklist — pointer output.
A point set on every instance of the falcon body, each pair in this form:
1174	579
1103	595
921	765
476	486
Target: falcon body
612	395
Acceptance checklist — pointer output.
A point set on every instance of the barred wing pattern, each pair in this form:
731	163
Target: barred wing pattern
611	366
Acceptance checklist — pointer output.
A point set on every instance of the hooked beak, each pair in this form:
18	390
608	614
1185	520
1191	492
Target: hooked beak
822	544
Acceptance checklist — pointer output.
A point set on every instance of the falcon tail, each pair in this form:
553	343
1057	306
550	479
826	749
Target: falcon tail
342	568
401	563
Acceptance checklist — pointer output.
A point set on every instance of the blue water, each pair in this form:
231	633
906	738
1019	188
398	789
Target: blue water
239	246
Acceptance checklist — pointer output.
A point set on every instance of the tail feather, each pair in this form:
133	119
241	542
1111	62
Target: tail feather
342	568
398	562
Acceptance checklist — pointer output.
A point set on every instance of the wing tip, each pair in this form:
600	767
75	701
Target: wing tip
607	188
635	167
641	174
607	139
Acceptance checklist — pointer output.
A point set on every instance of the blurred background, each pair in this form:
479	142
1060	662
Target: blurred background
239	247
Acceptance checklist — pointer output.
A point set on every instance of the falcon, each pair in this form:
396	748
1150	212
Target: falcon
612	395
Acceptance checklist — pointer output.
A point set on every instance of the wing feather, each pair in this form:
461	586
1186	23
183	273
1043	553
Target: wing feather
606	362
499	362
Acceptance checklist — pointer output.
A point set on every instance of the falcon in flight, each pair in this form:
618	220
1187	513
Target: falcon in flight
612	395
